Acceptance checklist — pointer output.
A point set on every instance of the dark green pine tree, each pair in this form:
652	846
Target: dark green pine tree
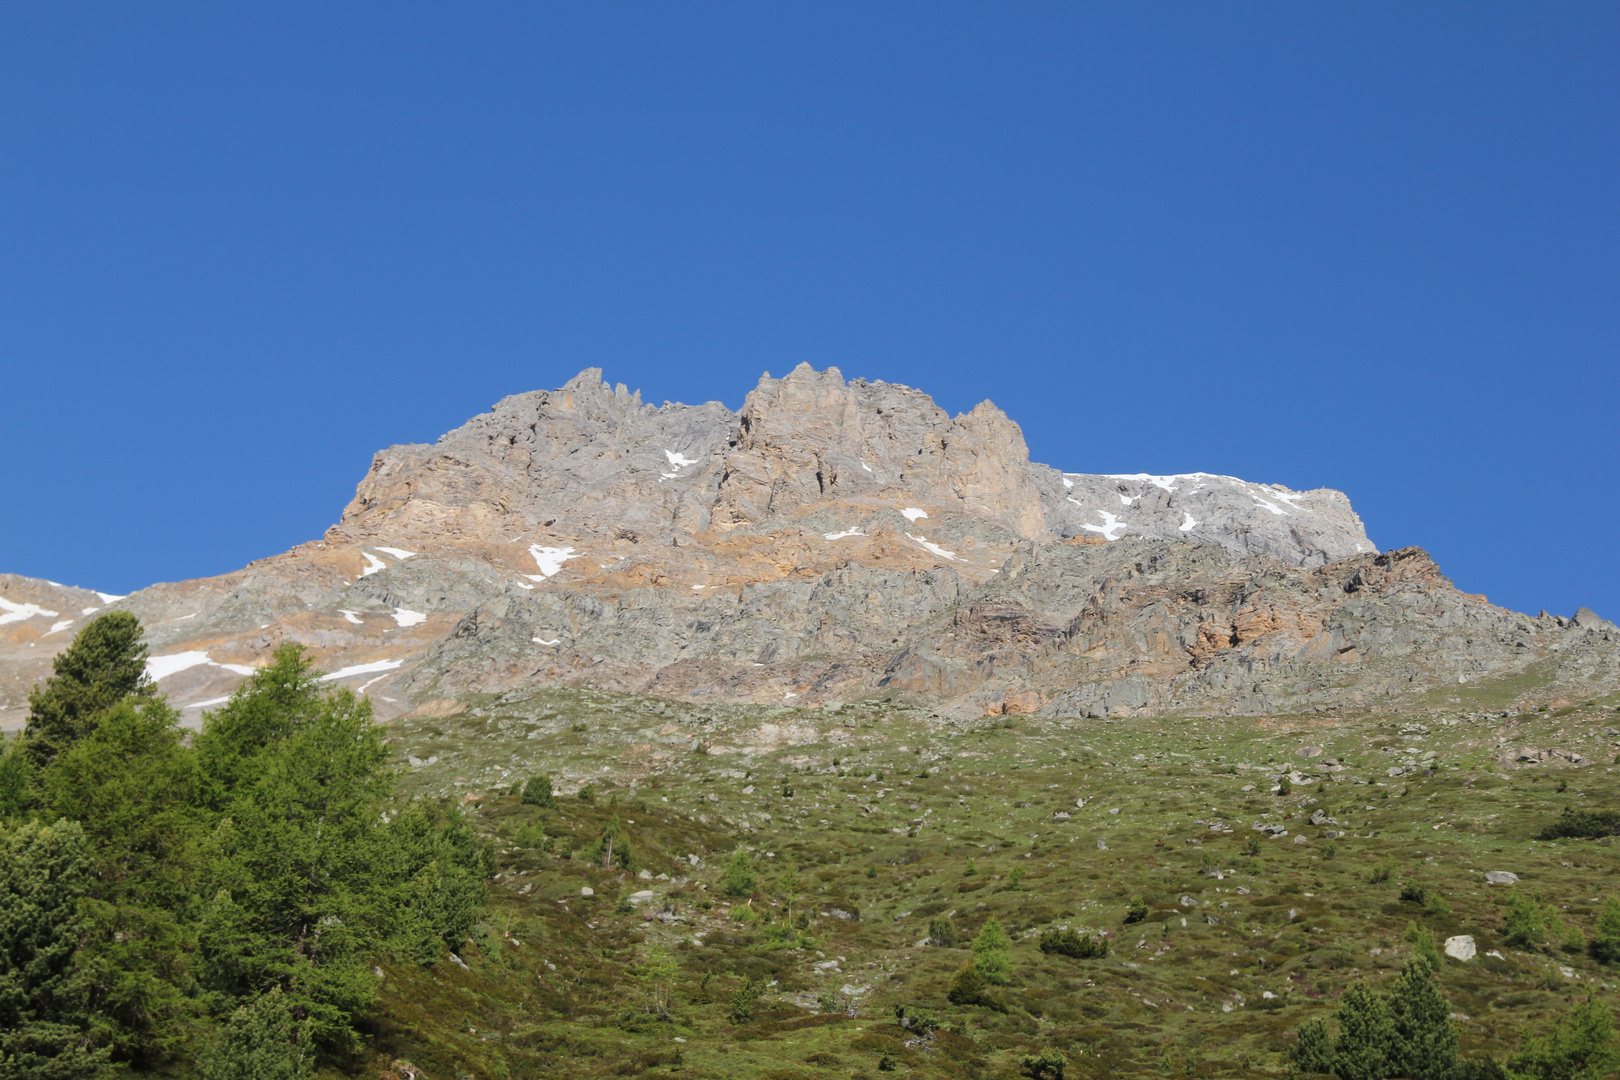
739	879
1424	1041
259	1042
296	862
1313	1052
16	772
44	994
1361	1052
613	847
105	664
537	792
1580	1046
130	783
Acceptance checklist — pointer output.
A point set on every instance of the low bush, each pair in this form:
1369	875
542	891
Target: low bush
1583	825
1073	943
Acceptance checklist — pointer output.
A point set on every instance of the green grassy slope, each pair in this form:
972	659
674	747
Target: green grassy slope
868	821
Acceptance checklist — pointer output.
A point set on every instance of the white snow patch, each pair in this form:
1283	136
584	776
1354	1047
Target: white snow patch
14	612
209	704
543	641
161	667
240	669
1187	522
867	467
367	683
373	564
1067	482
107	597
407	617
1282	494
935	548
842	535
1129	499
549	560
89	611
524	585
695	588
911	513
398	553
351	616
1273	507
677	461
1110	529
58	626
362	669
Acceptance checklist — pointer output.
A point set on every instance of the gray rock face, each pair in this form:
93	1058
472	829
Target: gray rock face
587	460
1306	528
834	540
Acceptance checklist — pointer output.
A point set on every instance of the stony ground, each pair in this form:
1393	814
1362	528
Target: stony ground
867	821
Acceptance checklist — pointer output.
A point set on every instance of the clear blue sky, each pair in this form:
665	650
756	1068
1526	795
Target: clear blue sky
1370	247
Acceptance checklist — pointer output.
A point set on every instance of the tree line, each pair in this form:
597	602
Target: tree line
219	899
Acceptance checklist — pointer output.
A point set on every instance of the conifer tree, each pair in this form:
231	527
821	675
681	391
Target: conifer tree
105	664
538	792
1605	943
16	769
1361	1052
992	952
1526	922
1423	1045
45	1016
129	781
1313	1052
613	846
259	1042
739	878
968	986
1580	1046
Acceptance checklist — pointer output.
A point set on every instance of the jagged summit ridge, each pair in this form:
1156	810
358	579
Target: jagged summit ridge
588	459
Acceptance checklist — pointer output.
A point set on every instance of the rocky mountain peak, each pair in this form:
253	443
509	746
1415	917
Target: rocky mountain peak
833	539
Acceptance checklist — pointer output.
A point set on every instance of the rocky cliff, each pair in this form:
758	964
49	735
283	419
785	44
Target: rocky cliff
831	540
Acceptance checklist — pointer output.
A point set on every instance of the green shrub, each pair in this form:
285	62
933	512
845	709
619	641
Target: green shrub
739	879
1582	825
1073	943
1421	938
1381	873
1605	944
537	792
741	1006
1526	923
1048	1065
942	932
1414	892
968	987
1137	911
